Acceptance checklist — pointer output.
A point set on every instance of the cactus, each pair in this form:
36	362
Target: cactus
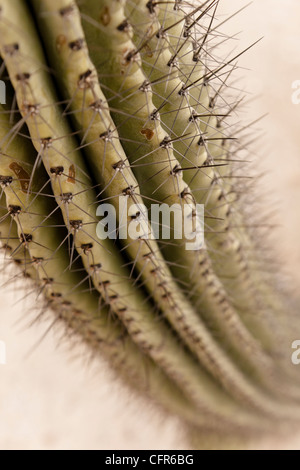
116	102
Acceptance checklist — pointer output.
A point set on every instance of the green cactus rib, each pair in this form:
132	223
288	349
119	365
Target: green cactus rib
153	342
133	112
156	340
235	256
177	114
121	354
250	289
141	370
70	49
95	35
53	25
154	163
89	318
116	102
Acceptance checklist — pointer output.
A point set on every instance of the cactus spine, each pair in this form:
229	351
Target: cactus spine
112	102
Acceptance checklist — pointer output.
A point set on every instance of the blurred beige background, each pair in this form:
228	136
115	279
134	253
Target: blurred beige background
47	400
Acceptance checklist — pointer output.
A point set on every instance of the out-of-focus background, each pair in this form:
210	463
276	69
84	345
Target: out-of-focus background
50	401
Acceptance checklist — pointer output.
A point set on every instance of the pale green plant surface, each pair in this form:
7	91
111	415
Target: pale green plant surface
200	329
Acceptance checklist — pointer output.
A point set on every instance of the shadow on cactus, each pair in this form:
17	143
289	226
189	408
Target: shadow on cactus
115	133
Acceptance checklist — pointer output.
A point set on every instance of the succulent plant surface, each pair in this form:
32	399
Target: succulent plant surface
124	192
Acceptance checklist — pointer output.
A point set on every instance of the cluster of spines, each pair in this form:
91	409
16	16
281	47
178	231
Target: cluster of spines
141	123
23	215
175	309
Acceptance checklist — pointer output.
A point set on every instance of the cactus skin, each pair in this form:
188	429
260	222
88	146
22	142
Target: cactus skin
75	305
209	353
139	123
157	178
